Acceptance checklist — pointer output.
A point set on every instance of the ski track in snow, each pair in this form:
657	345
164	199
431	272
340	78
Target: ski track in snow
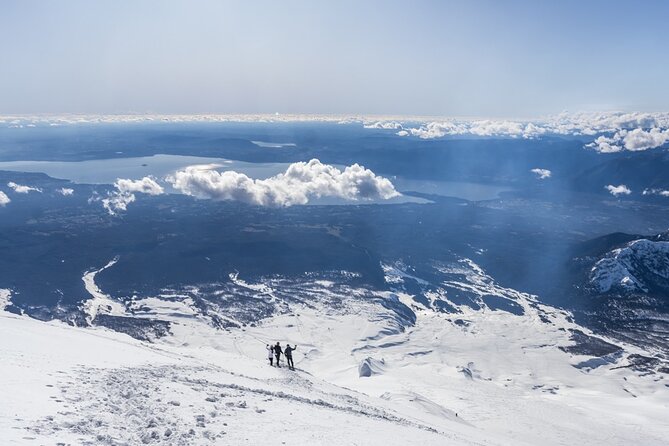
183	405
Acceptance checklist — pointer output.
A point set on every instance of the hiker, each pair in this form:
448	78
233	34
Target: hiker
289	356
277	353
270	354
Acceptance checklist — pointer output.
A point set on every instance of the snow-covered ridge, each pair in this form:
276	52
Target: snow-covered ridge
632	267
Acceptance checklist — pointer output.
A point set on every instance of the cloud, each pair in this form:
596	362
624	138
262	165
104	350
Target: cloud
660	192
632	140
118	200
605	144
64	191
639	139
542	174
436	129
611	131
300	183
618	190
511	129
21	189
383	125
4	199
146	185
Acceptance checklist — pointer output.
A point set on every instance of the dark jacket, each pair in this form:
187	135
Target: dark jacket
277	350
289	351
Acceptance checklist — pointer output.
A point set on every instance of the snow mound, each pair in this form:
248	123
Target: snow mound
371	366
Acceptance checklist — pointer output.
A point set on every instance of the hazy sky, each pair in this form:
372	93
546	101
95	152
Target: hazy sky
458	58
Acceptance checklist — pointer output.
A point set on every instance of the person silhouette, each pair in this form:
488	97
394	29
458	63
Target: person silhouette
270	354
289	356
277	353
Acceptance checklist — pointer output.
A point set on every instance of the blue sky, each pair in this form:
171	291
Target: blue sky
455	58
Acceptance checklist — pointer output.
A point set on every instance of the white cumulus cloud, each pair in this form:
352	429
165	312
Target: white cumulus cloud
542	174
4	199
118	200
146	185
65	191
618	190
21	189
639	139
300	183
632	140
606	144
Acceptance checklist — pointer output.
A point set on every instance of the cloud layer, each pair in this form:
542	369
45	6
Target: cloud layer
4	199
610	131
617	131
300	183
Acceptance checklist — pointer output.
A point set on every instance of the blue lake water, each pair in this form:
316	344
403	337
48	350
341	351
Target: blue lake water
458	189
106	171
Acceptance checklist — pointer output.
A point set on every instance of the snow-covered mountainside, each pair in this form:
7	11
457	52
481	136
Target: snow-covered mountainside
622	291
462	362
638	266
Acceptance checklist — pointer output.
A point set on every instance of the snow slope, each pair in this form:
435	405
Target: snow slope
69	385
474	377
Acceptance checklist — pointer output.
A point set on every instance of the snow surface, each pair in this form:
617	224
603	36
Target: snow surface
99	302
475	377
5	298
